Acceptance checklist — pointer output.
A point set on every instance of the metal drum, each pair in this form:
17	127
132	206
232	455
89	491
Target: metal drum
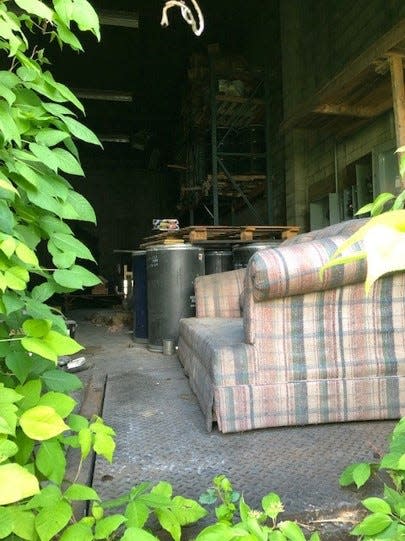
140	297
218	261
171	271
242	253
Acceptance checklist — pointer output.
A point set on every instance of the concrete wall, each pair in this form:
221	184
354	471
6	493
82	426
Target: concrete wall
318	39
126	197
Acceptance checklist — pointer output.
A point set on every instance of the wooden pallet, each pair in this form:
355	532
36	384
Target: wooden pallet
200	234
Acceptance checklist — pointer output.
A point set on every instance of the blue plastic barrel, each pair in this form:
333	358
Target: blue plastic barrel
140	297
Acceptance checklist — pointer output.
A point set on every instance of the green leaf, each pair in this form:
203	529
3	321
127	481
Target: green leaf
5	184
163	489
36	328
169	522
291	530
137	534
82	210
36	8
45	155
16	484
86	17
78	492
58	380
50	137
51	520
24	523
52	224
65	35
68	243
6	218
6	522
8	127
64	260
361	473
272	505
85	441
26	255
42	423
106	526
20	364
16	278
216	532
186	511
25	447
31	391
61	344
57	109
9	79
67	163
372	524
77	532
63	404
80	131
7	94
376	505
40	347
48	496
77	422
104	445
12	302
75	278
137	513
7	449
43	292
50	461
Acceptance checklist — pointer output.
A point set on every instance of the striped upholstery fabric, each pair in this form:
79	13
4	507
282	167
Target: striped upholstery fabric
219	295
322	354
295	269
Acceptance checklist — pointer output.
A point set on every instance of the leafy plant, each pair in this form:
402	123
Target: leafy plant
386	518
244	523
38	129
383	237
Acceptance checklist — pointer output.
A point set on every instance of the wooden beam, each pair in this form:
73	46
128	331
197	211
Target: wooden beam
398	97
343	80
345	110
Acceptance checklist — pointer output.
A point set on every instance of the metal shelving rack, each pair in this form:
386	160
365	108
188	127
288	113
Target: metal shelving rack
221	184
233	113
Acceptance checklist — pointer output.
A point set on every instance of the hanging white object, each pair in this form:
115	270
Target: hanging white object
186	13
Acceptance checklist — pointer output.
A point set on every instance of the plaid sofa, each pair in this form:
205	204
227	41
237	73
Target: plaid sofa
275	345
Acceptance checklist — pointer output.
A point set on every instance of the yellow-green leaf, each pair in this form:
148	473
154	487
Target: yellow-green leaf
42	423
26	255
36	328
16	483
40	347
385	248
8	246
6	185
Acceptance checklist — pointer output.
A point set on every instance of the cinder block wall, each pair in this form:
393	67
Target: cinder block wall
318	39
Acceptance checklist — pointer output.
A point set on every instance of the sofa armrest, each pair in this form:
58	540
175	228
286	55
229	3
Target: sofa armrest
295	269
218	295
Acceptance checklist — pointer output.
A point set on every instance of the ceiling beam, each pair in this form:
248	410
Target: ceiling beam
127	19
342	81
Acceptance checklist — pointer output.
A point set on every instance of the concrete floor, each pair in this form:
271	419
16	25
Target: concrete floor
161	436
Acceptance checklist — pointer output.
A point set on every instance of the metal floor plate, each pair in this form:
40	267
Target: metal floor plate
161	435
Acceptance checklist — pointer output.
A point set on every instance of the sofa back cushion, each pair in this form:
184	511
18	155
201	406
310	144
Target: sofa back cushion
295	269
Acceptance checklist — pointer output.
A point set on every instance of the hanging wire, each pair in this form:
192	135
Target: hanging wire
186	13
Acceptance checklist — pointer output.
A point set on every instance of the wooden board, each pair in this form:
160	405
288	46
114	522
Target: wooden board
203	233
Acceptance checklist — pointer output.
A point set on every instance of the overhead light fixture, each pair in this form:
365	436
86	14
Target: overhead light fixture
127	19
103	95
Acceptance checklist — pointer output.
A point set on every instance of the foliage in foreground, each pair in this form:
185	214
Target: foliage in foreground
386	518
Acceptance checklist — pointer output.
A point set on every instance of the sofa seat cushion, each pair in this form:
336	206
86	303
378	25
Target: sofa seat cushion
220	348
